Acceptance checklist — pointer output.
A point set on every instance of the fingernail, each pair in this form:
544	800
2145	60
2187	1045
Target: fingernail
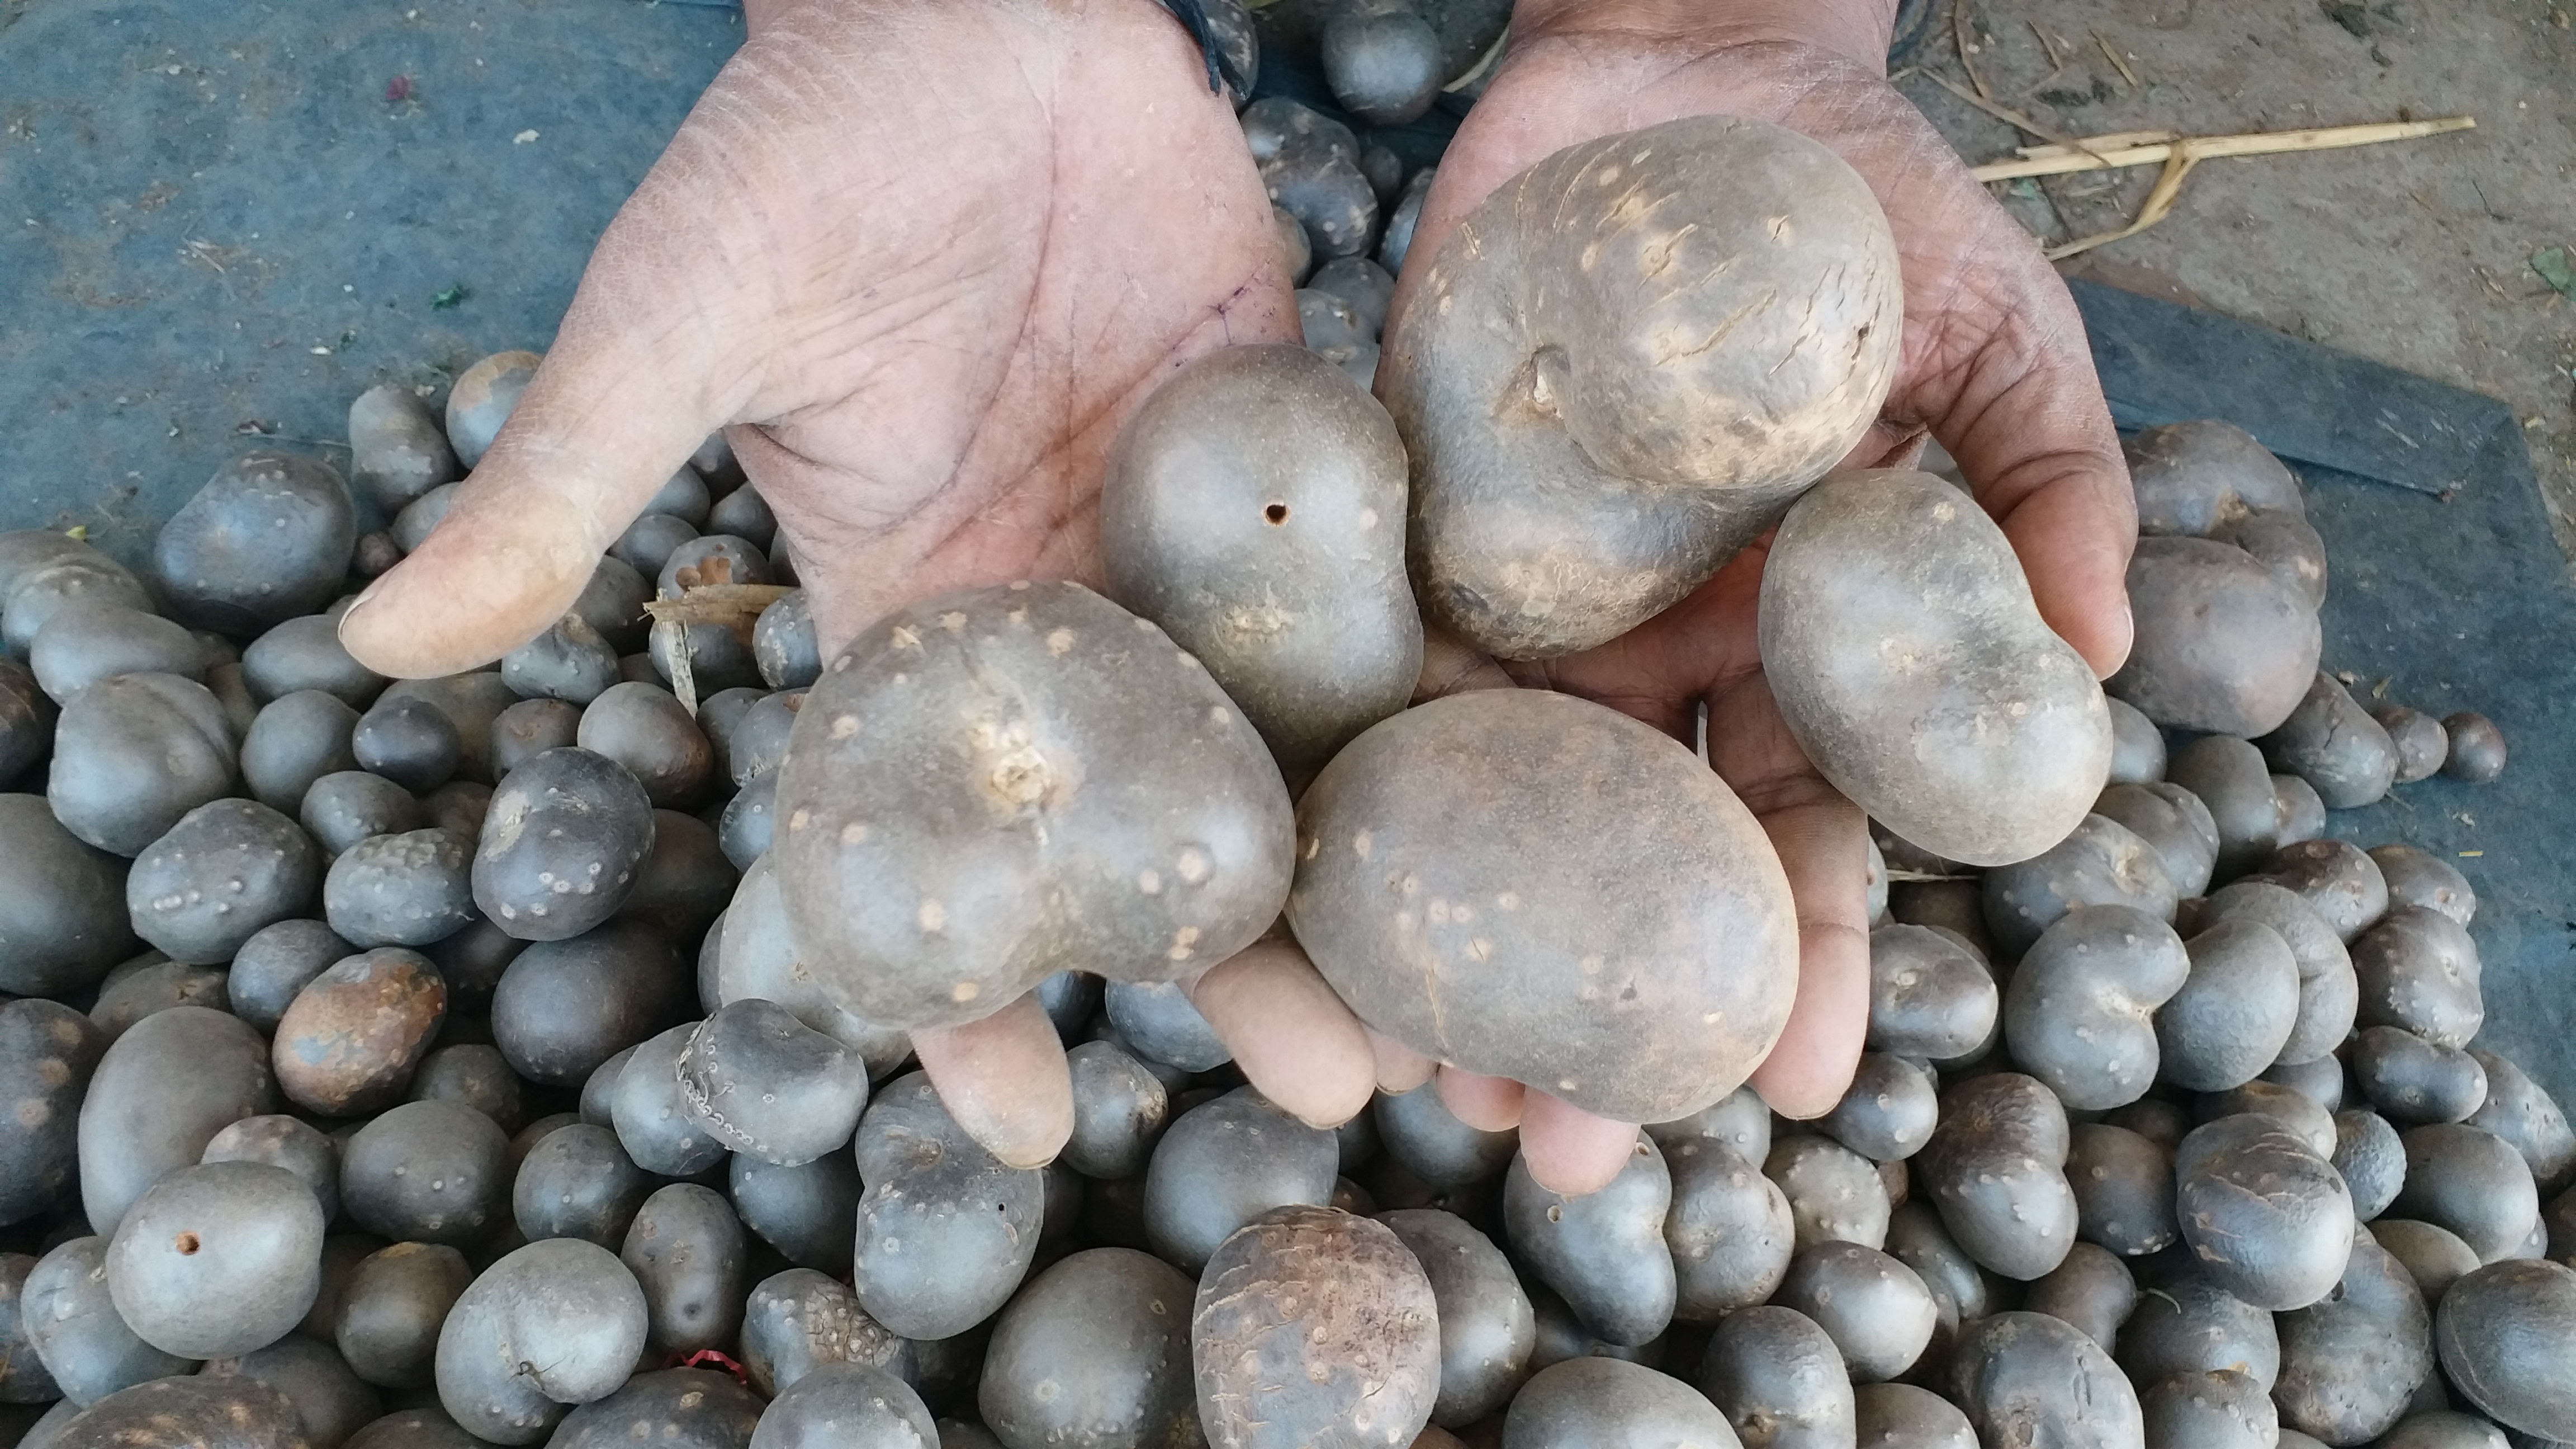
340	628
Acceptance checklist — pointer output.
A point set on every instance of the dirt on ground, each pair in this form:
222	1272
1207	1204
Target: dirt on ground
2419	254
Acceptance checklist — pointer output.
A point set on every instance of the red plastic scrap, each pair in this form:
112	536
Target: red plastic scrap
711	1356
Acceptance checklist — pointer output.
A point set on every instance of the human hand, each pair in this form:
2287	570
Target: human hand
921	262
1995	365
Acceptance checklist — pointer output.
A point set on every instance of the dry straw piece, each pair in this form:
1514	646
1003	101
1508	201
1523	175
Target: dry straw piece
2178	153
734	606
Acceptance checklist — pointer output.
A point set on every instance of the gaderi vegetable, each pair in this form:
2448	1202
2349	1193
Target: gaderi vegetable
497	1059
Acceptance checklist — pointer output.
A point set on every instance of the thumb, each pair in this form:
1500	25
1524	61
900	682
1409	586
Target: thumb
2033	437
625	394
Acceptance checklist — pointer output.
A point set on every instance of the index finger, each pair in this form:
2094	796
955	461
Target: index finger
1005	1080
1822	841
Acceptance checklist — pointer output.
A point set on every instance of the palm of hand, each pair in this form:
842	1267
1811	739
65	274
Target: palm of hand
925	321
1994	357
922	262
1994	362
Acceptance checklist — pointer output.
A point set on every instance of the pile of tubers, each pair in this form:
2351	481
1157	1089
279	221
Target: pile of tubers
520	1057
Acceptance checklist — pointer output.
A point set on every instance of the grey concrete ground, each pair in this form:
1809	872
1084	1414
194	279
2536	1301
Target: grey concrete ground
2417	254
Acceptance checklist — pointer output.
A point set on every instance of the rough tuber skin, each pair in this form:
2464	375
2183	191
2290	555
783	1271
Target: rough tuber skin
1587	908
1578	399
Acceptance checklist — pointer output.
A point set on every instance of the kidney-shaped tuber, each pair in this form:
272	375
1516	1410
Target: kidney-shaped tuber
1624	364
1912	666
961	813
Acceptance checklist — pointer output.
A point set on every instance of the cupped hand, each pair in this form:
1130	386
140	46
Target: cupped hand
920	261
1995	366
